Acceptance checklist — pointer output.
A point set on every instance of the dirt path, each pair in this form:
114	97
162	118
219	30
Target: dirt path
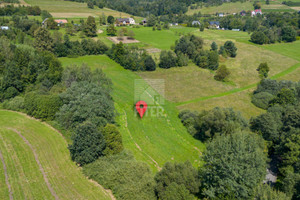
38	162
6	177
139	148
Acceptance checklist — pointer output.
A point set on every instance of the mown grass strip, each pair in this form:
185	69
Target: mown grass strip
236	90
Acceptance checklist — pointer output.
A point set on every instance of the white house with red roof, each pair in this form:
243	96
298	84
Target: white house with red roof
255	12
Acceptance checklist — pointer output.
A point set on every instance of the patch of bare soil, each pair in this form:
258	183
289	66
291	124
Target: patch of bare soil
153	50
70	15
124	40
38	162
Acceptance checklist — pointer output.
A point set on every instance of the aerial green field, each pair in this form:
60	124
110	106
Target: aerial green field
69	9
154	139
38	164
237	7
189	87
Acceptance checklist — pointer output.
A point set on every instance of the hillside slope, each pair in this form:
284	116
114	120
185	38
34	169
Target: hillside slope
154	140
35	163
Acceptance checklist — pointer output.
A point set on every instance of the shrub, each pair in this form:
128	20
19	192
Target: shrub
262	99
259	37
183	174
113	139
16	104
168	59
222	73
149	63
88	144
43	107
126	177
230	49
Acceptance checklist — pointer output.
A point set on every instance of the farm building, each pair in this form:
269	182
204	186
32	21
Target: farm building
125	21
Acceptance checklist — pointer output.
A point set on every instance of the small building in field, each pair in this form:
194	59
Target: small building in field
221	15
125	21
61	22
196	23
214	24
4	28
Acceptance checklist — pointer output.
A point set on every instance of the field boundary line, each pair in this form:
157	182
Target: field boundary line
38	162
6	176
237	90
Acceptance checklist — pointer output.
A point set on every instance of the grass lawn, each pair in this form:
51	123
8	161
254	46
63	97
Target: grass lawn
154	140
69	9
50	149
163	39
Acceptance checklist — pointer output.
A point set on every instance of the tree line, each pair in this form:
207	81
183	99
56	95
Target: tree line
225	131
10	10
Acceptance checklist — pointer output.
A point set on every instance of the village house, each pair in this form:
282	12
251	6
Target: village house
125	21
221	15
214	24
61	22
196	23
255	12
5	28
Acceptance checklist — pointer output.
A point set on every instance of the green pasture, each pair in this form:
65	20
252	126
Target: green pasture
237	7
25	176
69	9
153	139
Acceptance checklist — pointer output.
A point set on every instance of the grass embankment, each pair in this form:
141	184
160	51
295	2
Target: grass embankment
38	163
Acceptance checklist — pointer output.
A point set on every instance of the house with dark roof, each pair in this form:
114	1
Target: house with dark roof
125	21
243	13
214	24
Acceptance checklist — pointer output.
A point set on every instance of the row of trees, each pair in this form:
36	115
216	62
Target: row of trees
191	47
10	10
131	57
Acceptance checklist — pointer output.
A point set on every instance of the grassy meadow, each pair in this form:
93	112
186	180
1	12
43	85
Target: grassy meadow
190	87
69	9
153	139
49	148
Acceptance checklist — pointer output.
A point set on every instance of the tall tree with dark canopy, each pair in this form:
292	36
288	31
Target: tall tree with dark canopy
177	175
43	40
234	166
90	27
230	48
88	144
